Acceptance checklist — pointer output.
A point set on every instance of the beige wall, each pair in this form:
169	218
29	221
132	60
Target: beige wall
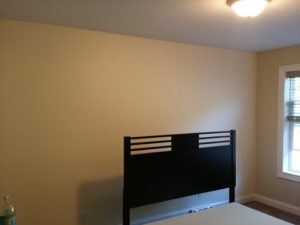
68	96
268	184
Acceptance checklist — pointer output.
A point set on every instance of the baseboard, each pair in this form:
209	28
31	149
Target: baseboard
271	202
277	204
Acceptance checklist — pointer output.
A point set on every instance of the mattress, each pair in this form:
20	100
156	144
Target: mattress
229	214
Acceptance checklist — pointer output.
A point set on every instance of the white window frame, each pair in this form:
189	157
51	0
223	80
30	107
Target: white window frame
283	127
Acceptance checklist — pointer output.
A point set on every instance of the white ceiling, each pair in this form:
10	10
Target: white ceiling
202	22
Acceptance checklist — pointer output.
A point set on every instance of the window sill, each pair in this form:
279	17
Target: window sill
288	175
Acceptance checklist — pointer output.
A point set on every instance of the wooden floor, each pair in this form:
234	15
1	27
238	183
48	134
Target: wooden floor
274	212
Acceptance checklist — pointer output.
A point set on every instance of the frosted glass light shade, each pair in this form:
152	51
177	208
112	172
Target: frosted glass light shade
248	8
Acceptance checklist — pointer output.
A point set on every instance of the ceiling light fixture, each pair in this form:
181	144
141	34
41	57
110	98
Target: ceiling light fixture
247	8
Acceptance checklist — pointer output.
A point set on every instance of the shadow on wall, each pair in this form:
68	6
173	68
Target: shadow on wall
100	202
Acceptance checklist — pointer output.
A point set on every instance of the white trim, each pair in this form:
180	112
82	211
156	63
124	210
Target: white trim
277	204
289	176
282	72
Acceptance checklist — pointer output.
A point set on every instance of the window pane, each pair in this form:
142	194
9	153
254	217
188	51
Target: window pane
296	136
294	97
295	161
295	151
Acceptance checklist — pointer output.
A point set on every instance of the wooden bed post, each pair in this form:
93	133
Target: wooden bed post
233	175
231	194
126	211
126	208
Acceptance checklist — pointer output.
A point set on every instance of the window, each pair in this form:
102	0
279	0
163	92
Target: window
289	123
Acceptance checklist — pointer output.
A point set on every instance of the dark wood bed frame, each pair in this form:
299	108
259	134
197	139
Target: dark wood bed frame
164	167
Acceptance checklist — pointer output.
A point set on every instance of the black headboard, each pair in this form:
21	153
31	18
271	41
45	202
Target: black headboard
164	167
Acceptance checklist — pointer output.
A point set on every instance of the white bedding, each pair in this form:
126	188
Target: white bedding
229	214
